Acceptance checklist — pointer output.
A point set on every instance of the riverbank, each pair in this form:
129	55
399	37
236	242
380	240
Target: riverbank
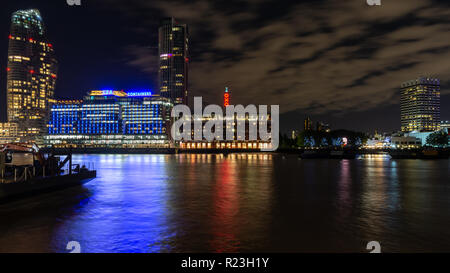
62	151
398	154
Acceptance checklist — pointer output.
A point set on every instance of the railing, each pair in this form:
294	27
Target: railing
77	167
19	174
25	173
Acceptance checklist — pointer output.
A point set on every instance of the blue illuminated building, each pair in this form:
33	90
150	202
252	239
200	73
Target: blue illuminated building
102	117
64	117
142	119
110	118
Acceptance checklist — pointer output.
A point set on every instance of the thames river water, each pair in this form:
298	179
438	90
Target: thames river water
239	203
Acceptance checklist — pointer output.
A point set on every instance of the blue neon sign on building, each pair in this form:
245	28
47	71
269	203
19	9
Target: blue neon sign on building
142	93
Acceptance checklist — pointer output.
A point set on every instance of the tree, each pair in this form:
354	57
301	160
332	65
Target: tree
439	139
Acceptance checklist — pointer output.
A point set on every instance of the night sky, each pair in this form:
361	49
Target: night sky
340	62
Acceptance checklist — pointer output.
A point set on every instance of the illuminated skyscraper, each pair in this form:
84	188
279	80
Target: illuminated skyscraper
173	60
307	124
31	74
420	105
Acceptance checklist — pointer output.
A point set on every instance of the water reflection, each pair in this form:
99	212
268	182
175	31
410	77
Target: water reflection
344	190
226	206
128	212
238	203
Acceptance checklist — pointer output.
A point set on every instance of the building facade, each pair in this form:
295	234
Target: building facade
31	75
233	124
108	118
173	60
420	105
8	133
405	142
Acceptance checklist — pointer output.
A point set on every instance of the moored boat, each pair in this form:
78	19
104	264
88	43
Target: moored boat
27	172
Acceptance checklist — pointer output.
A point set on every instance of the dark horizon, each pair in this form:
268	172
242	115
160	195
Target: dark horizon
347	75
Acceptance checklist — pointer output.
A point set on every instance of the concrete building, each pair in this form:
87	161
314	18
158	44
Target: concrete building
403	142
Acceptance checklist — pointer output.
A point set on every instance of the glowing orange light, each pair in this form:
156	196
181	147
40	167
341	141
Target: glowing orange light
8	69
32	71
10	36
226	99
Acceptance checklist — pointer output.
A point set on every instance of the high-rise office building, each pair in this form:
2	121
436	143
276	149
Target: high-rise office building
31	74
420	105
307	124
173	60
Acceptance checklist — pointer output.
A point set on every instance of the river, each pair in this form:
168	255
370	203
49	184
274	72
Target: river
238	203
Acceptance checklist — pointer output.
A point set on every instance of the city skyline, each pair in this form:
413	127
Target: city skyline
100	71
224	133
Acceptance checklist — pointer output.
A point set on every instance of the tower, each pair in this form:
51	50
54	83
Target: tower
173	60
31	74
226	97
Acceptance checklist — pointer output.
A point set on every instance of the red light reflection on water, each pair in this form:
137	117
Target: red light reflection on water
226	207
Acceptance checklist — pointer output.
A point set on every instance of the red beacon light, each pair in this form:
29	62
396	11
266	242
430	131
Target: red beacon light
31	71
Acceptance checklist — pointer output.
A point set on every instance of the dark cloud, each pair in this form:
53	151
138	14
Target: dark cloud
300	54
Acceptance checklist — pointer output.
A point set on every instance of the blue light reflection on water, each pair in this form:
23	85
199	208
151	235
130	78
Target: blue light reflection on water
127	212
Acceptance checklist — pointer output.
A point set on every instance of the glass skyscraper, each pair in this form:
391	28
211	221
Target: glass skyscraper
31	74
420	105
173	60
